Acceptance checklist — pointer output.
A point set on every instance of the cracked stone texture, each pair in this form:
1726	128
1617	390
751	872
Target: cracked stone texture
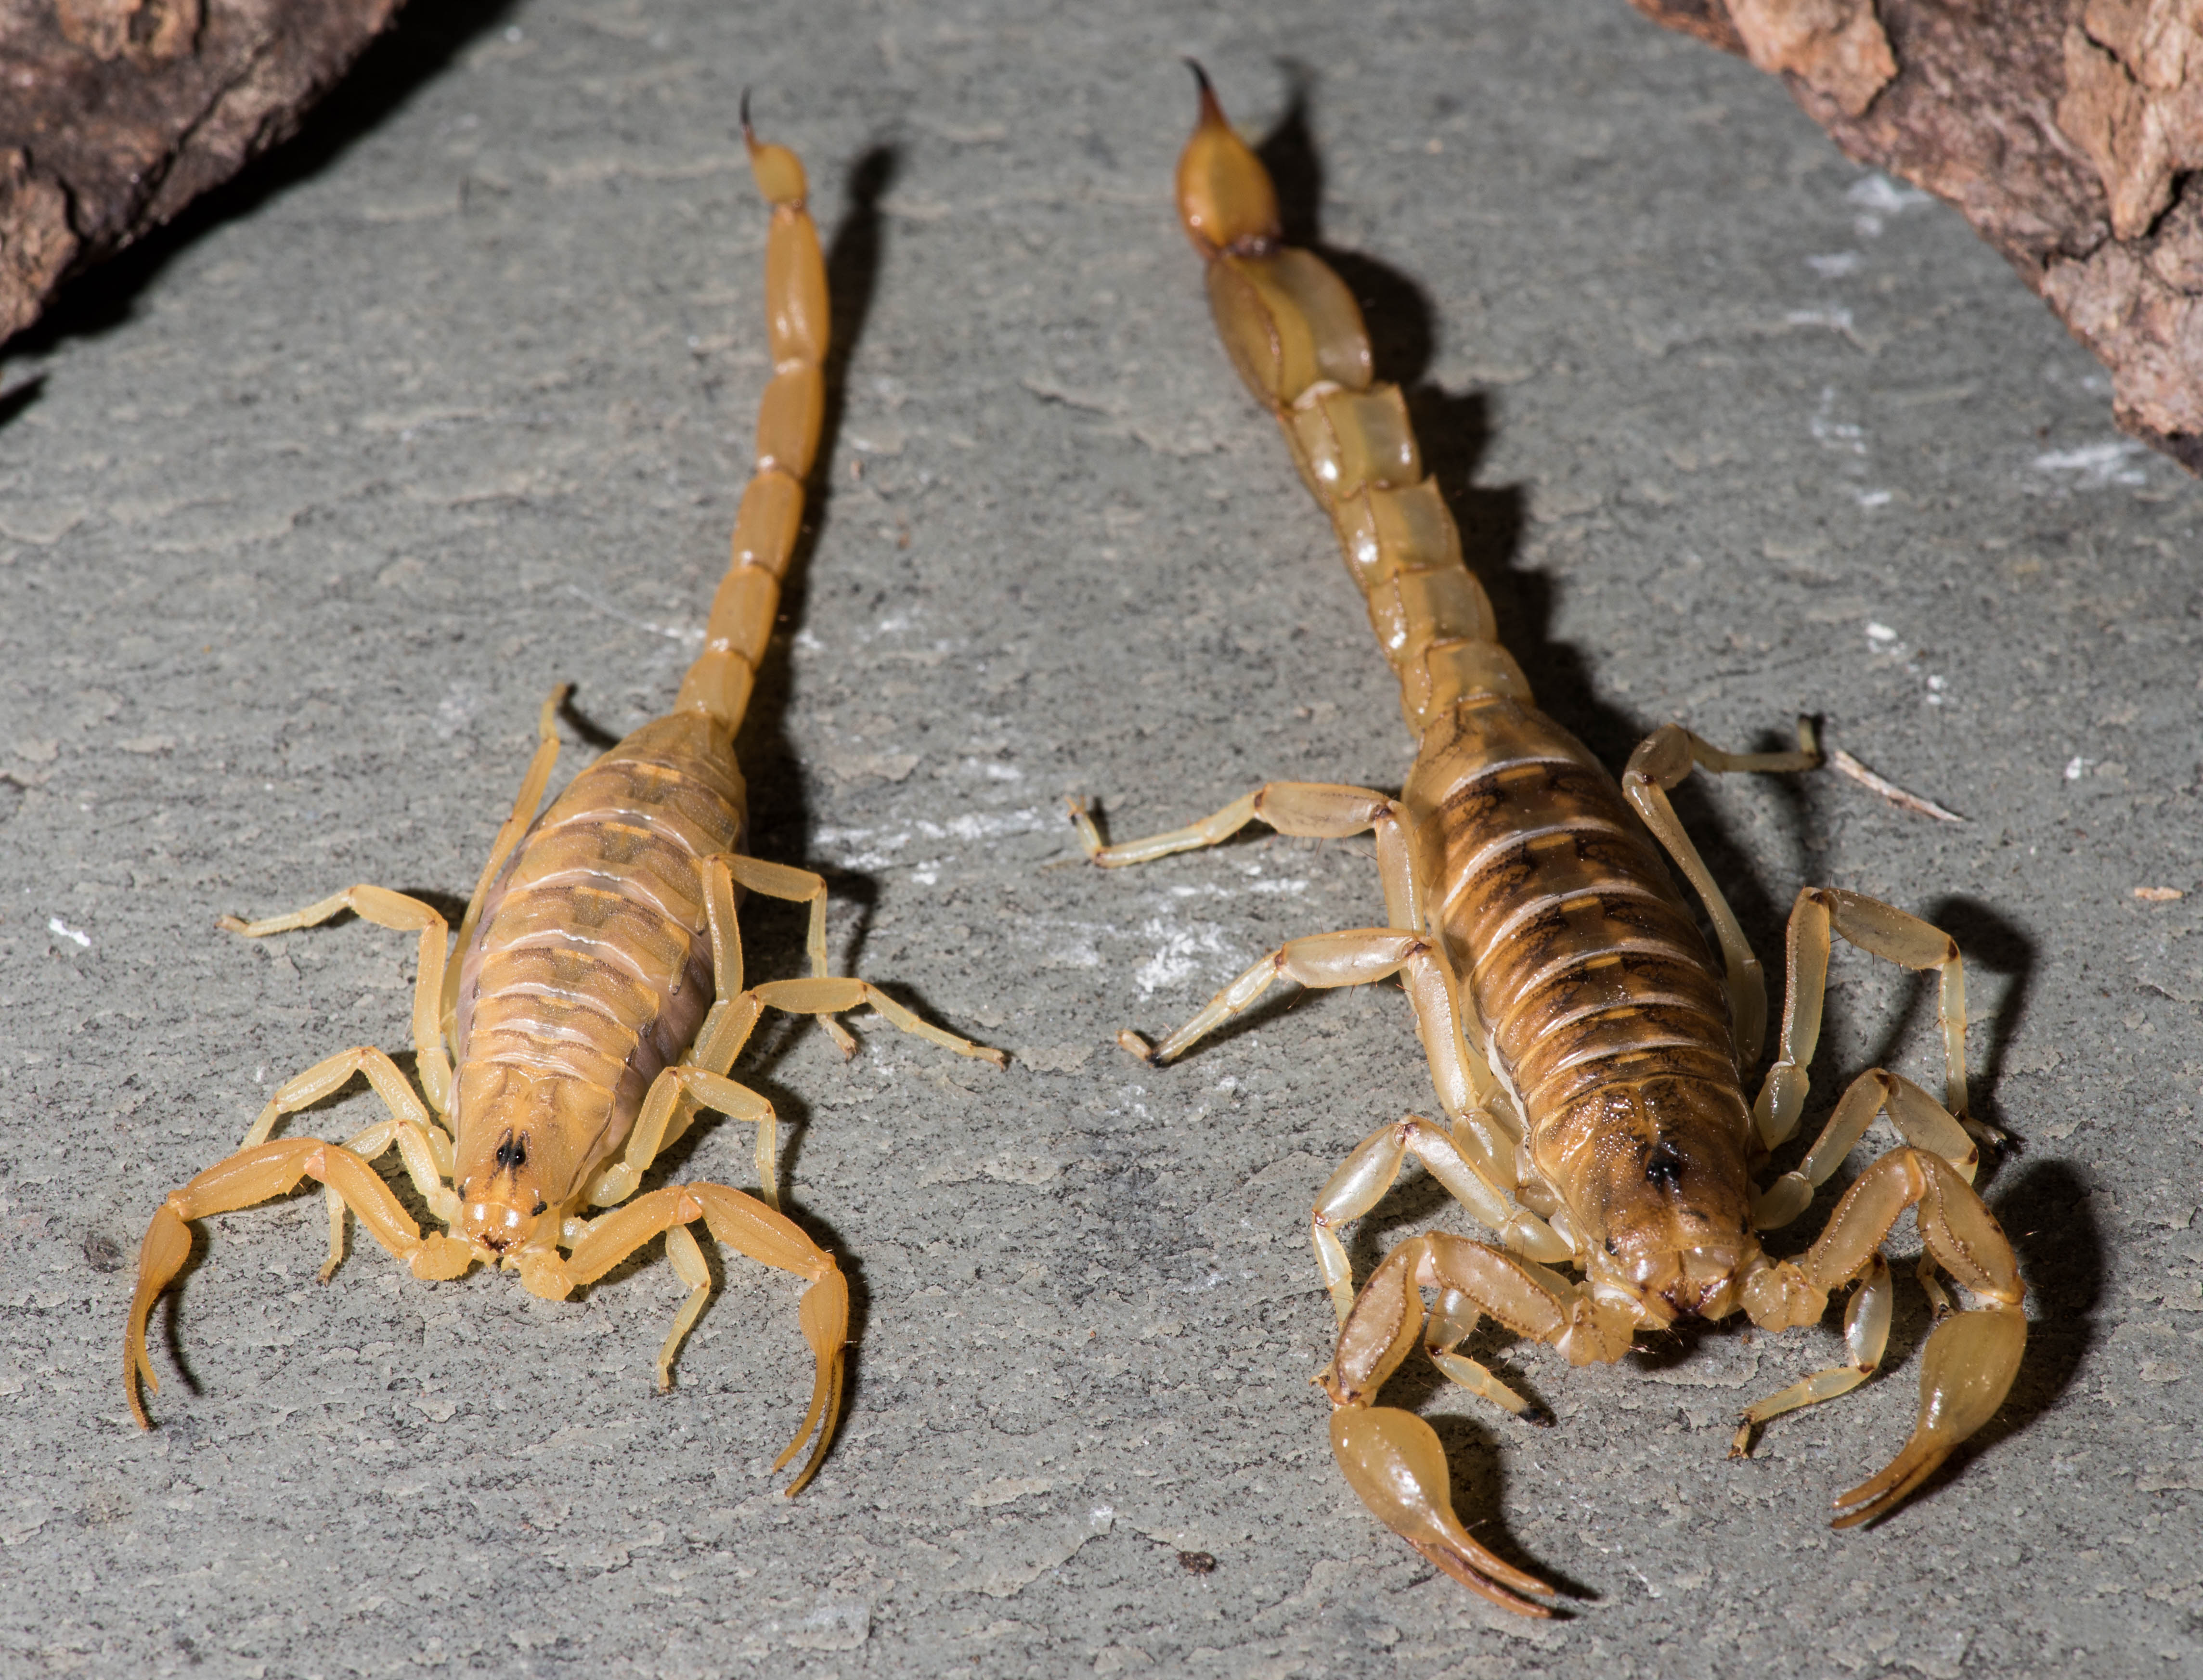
303	509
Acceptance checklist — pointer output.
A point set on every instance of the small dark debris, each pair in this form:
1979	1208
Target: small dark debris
102	1252
1197	1562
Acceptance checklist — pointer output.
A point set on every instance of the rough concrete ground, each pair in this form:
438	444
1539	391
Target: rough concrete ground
303	513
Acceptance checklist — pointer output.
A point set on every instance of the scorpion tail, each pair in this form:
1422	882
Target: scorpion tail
826	1327
1295	333
167	1244
1395	1462
1964	1376
789	419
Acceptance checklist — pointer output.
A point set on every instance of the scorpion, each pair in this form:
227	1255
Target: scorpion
1588	1053
598	945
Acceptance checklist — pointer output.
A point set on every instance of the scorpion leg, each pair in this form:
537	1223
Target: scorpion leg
1920	1120
385	909
1881	930
1661	761
833	995
1392	1458
1368	1173
1351	957
1480	1157
1485	1132
1449	1322
1303	810
744	1224
257	1174
800	887
1971	1357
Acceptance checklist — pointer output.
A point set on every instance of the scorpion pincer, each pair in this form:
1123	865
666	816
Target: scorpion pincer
1588	1053
598	945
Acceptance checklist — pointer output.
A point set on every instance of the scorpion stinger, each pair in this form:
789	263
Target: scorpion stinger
600	946
1589	1051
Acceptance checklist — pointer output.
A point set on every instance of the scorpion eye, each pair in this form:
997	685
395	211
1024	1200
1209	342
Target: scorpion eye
1664	1167
538	1207
511	1151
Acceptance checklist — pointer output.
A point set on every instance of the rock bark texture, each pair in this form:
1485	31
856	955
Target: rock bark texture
2064	130
117	113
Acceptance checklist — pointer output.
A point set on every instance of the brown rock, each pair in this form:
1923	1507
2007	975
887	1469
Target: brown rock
115	114
2061	129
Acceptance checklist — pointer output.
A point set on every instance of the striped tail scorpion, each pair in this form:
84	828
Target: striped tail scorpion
596	1003
1589	1053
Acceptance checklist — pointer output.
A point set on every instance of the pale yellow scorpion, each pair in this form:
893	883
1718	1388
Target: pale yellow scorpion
1589	1054
600	945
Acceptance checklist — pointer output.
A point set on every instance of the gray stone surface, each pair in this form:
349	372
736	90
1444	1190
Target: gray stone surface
297	529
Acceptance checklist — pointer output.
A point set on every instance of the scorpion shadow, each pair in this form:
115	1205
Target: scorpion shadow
419	46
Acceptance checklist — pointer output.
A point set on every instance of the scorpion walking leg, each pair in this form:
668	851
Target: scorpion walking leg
1882	930
1479	1159
1367	1174
741	1223
801	887
421	1166
1971	1358
1920	1120
1661	761
832	996
666	1113
385	909
257	1174
1393	1457
1476	1162
1304	810
670	1106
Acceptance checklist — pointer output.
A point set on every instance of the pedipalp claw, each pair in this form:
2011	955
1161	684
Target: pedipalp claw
167	1244
1394	1460
826	1314
1964	1375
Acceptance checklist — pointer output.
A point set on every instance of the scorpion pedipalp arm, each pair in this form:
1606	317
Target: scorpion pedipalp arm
1661	761
258	1175
1866	1335
743	1223
1972	1357
1392	1458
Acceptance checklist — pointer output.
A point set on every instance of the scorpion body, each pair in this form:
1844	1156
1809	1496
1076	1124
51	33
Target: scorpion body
599	998
1588	1050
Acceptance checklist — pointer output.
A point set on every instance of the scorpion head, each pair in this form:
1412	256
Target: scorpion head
1661	1197
499	1203
511	1173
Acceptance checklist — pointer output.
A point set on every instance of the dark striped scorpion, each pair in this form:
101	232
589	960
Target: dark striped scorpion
598	945
1588	1053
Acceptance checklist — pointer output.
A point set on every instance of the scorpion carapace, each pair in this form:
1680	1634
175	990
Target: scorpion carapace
599	946
1588	1050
